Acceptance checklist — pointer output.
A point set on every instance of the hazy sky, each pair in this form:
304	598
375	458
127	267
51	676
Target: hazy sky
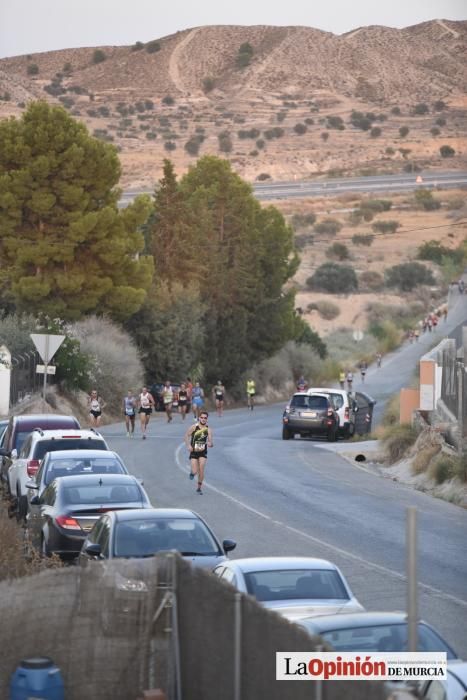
29	26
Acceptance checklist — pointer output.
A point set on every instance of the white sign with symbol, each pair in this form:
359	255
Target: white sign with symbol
47	345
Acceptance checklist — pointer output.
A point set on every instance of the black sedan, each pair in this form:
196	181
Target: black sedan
137	534
69	506
71	463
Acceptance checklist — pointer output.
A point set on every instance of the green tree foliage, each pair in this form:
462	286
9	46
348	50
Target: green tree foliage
300	128
438	253
66	248
153	46
98	56
407	276
328	226
424	199
403	131
421	108
363	239
211	230
447	152
333	278
388	226
32	69
338	251
335	122
244	56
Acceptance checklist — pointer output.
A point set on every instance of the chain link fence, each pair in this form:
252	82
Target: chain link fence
118	628
25	381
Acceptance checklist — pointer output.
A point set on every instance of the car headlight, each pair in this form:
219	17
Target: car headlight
130	585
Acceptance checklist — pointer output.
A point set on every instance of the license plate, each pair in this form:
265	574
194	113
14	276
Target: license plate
308	414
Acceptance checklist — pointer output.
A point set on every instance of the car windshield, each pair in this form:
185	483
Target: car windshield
287	584
145	537
77	465
314	403
89	494
337	400
70	443
390	637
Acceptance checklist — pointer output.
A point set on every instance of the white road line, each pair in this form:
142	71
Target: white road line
316	540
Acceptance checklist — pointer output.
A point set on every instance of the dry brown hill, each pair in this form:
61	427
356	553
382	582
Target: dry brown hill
190	86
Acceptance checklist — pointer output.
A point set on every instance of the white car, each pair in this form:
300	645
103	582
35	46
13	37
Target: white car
33	449
345	405
454	688
295	587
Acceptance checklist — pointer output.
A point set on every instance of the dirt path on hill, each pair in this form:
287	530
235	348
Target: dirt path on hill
174	72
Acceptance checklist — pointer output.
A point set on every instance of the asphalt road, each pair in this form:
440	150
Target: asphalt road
301	189
296	498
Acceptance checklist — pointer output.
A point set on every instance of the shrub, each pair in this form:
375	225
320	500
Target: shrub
398	440
371	280
193	144
67	101
151	135
423	458
280	116
225	142
434	131
396	110
333	278
441	121
338	251
385	226
360	121
334	122
248	133
389	151
325	135
439	106
403	131
425	199
408	275
263	176
328	226
300	128
260	143
303	220
302	240
32	69
421	108
104	111
244	56
98	56
282	369
447	152
309	121
67	68
376	205
168	100
54	88
137	46
375	132
208	84
363	239
443	468
153	46
275	133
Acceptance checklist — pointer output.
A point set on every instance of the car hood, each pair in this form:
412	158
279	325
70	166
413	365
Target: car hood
295	610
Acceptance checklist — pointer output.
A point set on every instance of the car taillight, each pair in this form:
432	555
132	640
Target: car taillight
347	412
32	467
67	522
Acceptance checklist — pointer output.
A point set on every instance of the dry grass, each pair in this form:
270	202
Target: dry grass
398	440
423	459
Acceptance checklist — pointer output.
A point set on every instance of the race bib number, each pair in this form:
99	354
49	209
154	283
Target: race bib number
200	446
130	411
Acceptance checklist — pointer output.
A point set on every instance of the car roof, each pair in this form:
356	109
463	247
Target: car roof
325	623
105	479
311	393
154	513
279	563
82	454
327	390
39	420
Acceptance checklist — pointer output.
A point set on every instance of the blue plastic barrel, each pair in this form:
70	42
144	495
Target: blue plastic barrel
39	678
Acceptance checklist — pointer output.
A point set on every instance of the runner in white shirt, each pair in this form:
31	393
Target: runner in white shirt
96	404
145	406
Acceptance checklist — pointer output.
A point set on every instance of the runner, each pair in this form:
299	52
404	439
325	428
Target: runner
145	406
250	393
129	411
197	440
167	398
363	367
96	404
218	393
197	400
379	358
183	400
342	379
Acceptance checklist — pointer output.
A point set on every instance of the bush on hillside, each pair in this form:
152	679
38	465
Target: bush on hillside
328	226
326	309
363	239
283	368
443	468
370	281
447	152
338	251
153	46
398	441
424	198
408	275
303	220
333	278
403	131
388	226
98	56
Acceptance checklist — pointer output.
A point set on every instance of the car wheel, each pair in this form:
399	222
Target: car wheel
286	433
332	435
21	508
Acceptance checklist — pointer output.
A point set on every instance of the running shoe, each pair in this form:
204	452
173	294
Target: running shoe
198	490
192	476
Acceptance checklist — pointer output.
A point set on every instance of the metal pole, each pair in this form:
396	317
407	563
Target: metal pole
412	614
460	409
46	360
238	646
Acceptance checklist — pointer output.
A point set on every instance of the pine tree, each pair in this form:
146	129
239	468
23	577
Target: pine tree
66	249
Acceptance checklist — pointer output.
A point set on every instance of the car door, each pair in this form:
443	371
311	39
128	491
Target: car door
45	524
18	465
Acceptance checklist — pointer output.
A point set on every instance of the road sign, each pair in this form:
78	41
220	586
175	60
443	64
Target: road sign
40	369
47	345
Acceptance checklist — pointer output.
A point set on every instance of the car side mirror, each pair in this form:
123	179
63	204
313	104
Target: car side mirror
14	454
93	550
228	545
140	481
35	501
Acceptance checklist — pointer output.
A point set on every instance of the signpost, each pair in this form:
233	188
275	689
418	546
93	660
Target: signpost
47	345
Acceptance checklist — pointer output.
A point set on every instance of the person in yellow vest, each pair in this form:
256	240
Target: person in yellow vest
250	393
342	379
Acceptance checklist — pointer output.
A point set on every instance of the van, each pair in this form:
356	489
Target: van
345	405
18	429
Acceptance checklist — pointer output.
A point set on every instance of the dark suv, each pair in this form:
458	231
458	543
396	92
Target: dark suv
19	428
310	414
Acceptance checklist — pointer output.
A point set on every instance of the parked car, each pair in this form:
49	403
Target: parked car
35	446
69	507
292	586
454	688
346	408
310	414
373	631
72	463
137	533
3	427
19	428
156	391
